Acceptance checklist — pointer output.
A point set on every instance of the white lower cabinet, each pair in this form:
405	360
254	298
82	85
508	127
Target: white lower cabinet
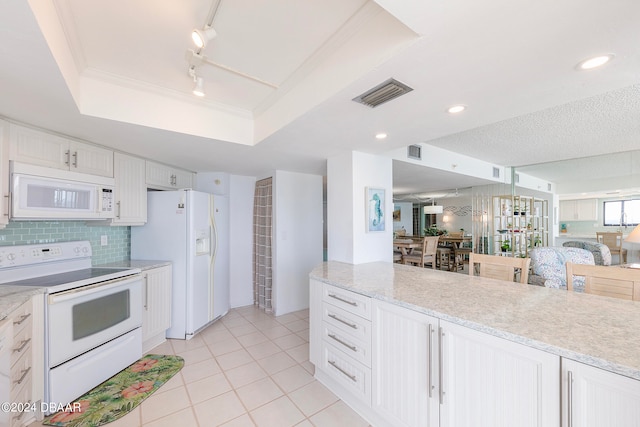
488	381
20	377
405	366
592	397
156	314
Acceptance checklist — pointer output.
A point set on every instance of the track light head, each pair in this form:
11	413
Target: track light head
202	37
198	89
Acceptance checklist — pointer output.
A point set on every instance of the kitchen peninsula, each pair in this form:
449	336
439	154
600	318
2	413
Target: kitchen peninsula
402	344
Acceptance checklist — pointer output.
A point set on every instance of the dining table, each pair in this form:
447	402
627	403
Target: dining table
455	241
460	253
406	246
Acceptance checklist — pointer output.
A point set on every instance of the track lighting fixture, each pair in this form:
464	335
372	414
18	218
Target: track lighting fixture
198	88
201	37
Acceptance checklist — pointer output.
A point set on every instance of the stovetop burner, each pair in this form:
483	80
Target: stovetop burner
55	266
94	275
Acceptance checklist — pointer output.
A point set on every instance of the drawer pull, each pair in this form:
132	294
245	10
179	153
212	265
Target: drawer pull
351	325
22	319
24	375
335	365
22	345
355	304
349	346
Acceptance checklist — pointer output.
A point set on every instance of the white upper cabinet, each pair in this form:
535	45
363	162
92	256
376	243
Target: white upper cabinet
4	173
130	190
579	210
45	149
163	177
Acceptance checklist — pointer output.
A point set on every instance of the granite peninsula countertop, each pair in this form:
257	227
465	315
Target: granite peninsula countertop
598	331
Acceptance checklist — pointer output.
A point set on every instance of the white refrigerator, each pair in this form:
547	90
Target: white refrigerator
190	229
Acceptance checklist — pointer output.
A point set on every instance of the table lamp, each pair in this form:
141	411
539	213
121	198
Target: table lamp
634	236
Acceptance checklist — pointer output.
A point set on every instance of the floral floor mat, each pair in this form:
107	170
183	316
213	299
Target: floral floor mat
120	394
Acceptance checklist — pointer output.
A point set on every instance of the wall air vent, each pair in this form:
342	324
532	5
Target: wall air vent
548	186
414	152
382	93
517	179
496	172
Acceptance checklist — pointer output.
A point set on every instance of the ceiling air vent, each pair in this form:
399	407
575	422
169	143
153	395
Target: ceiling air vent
414	152
496	172
382	93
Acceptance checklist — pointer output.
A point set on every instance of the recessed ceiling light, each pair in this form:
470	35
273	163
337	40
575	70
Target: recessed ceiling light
595	62
456	109
381	135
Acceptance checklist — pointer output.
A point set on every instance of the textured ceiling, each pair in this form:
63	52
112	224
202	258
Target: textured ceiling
601	124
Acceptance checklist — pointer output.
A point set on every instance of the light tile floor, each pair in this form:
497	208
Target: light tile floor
247	369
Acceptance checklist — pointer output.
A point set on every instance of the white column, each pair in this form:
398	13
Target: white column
348	176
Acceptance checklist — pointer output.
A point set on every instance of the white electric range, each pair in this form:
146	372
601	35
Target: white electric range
93	316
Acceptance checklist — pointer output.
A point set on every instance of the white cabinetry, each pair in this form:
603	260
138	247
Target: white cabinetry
405	366
341	327
579	210
130	190
399	367
592	397
16	364
156	306
164	177
4	173
40	148
489	382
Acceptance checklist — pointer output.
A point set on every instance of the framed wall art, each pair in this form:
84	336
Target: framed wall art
375	209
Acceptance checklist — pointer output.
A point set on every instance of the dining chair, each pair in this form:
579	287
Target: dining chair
615	282
426	255
499	267
613	240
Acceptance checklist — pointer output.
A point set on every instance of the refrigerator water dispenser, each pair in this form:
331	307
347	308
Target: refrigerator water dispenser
203	242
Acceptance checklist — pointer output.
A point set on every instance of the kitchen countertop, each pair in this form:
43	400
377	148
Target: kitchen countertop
598	331
134	263
12	297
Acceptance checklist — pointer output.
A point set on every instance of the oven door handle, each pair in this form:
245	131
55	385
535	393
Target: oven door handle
92	289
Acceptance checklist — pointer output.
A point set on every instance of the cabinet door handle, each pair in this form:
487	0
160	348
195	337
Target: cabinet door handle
335	365
75	159
23	344
68	157
22	319
441	366
570	398
146	292
118	205
429	350
23	376
349	346
344	322
6	213
355	304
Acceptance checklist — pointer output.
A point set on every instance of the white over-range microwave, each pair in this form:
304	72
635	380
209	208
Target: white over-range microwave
40	193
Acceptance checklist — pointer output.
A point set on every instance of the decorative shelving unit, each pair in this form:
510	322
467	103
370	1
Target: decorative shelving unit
519	223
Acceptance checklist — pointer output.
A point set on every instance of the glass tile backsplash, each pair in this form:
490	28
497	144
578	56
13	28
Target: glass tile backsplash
118	246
